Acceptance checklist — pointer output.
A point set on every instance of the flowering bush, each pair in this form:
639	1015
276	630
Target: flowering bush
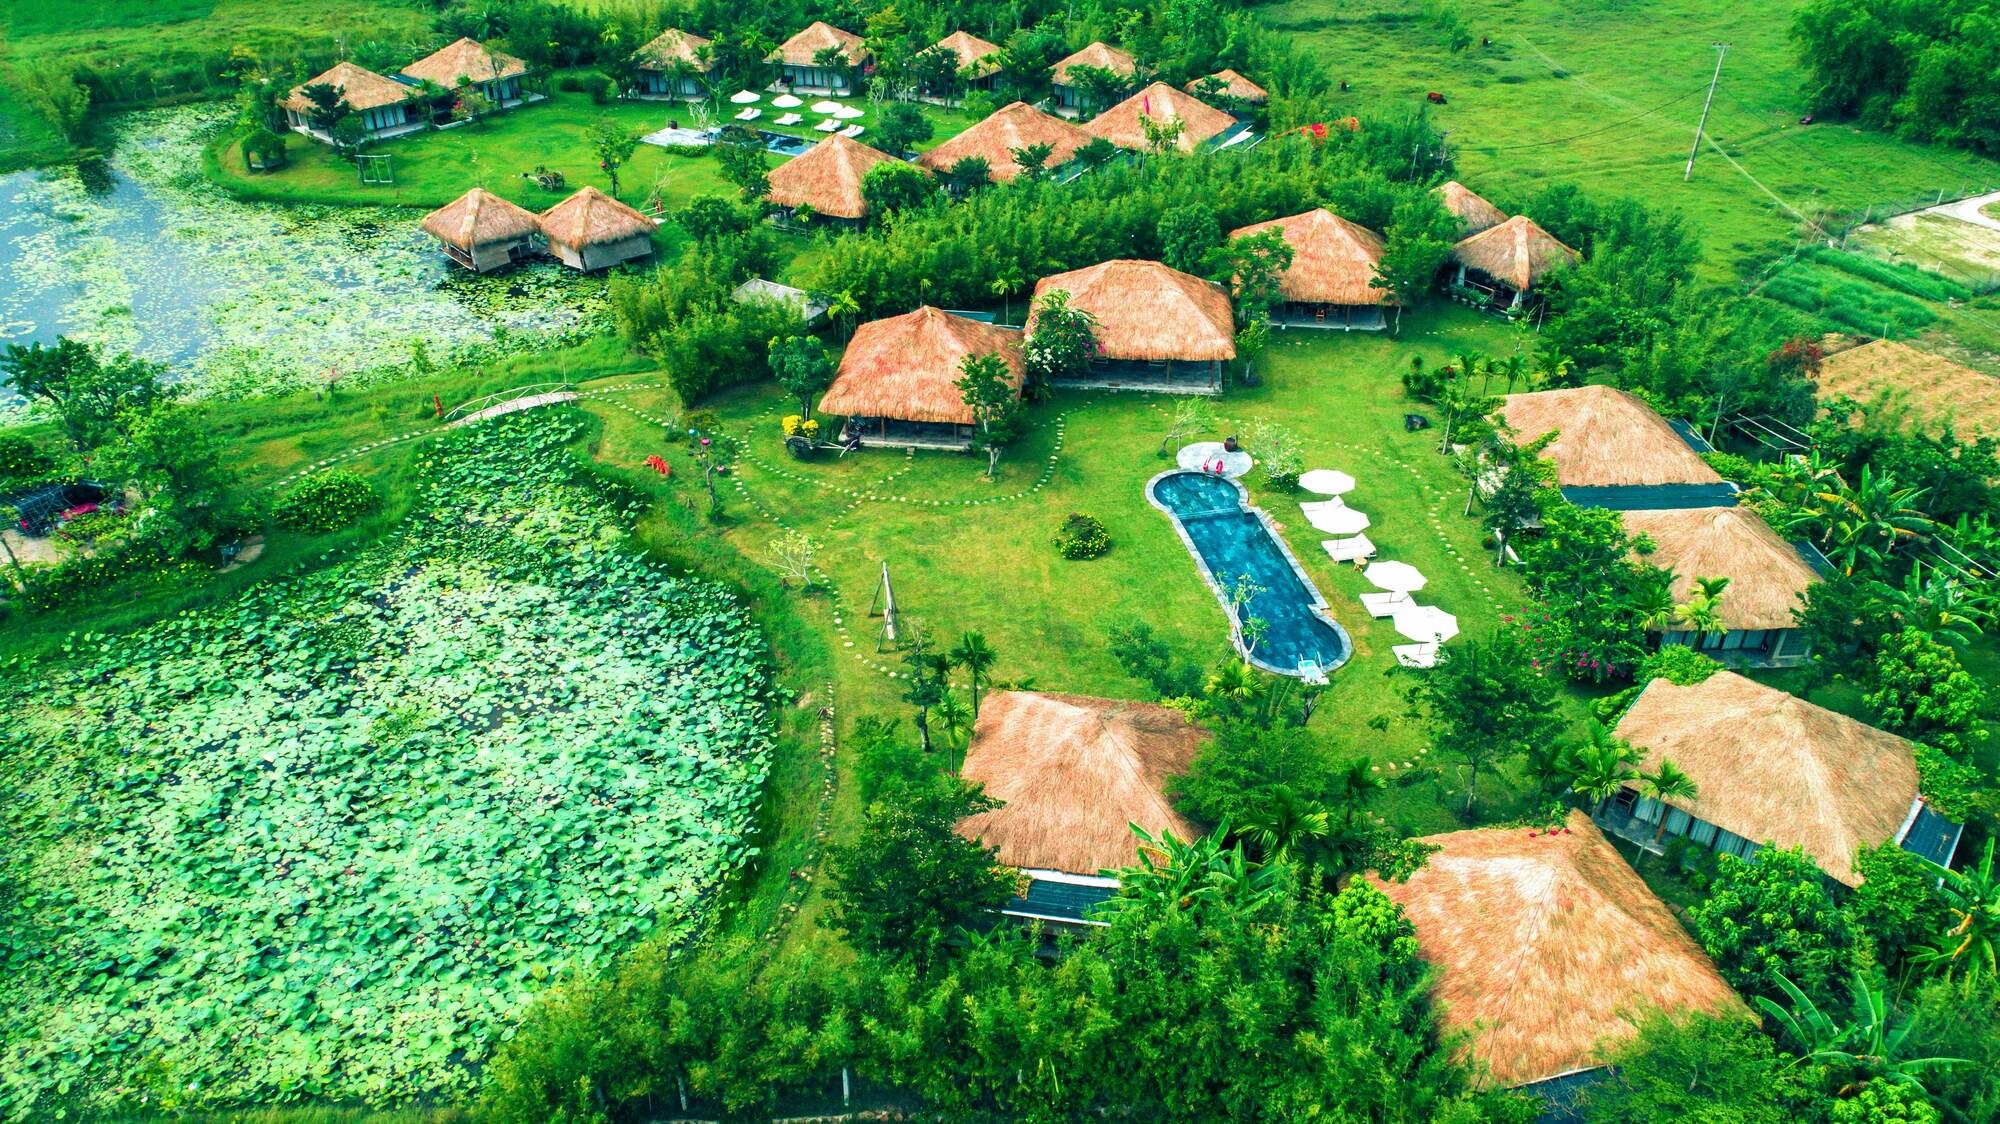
796	426
1082	536
325	501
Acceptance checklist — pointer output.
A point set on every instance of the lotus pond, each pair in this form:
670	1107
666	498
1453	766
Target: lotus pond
328	840
148	256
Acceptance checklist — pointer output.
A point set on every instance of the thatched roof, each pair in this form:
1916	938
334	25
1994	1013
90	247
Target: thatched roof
1234	85
589	217
975	55
1547	948
1766	575
479	218
1150	312
907	367
1608	438
1076	772
1333	260
1518	252
362	88
1772	767
671	46
827	177
994	138
1934	389
1100	55
1474	213
801	49
467	57
1160	103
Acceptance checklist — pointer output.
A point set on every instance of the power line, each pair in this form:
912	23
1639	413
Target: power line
1608	128
1721	52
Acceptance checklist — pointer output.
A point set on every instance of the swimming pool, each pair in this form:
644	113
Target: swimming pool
1229	538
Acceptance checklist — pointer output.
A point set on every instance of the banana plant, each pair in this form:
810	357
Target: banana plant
1868	1047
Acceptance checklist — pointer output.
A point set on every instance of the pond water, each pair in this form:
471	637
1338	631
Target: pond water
240	297
1229	539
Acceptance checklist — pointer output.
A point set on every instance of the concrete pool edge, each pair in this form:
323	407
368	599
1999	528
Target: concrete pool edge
1318	607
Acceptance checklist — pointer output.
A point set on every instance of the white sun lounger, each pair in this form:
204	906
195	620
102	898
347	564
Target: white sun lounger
851	131
790	119
1350	549
1416	655
826	126
750	114
1382	604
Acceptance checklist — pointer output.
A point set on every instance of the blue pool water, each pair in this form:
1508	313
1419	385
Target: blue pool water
1228	540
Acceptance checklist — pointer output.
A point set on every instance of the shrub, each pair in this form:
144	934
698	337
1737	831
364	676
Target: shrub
602	89
570	83
797	426
325	501
1082	536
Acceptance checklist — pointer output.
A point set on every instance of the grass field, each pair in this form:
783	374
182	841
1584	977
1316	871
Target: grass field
1605	94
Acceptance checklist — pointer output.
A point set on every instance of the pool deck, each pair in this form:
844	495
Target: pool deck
1319	606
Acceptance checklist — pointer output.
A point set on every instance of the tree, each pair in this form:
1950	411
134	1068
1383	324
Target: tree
471	104
350	135
1414	248
1484	704
791	554
327	106
1060	343
1163	134
1098	85
1666	783
1252	267
1922	692
1769	917
977	658
1692	1066
88	392
613	146
1191	416
1095	153
902	127
909	880
1897	906
743	164
1702	613
895	186
987	385
802	366
1510	506
709	217
926	681
52	88
1869	1047
1868	520
966	175
1286	827
1601	766
1969	944
1033	161
173	458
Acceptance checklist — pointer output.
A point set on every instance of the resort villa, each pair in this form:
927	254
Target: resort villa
674	64
386	107
897	385
1230	87
1065	87
1473	213
1504	263
590	231
824	181
1331	281
482	232
1768	579
1180	122
978	60
1544	944
822	57
1612	450
1157	328
995	138
1773	769
497	75
1076	774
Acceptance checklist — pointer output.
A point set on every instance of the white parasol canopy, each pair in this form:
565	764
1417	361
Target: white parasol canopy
743	97
786	101
1396	577
1327	482
1424	623
1335	519
847	112
824	107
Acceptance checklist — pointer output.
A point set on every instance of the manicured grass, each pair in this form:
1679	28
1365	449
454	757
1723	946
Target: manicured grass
1605	94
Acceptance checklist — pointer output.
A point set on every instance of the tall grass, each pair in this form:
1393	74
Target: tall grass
1900	276
1848	301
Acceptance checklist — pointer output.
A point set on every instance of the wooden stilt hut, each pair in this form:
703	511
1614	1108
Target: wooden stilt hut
482	232
1503	264
898	380
1157	328
1331	281
590	231
497	74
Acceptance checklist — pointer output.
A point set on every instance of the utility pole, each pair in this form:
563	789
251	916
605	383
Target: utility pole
1721	49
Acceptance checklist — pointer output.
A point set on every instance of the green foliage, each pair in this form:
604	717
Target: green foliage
1922	692
52	88
325	501
22	462
1062	344
1485	703
1960	1018
1901	276
1188	235
986	385
176	462
1773	917
1897	906
743	165
1082	536
341	829
87	391
1590	624
902	127
683	313
1147	658
893	186
802	366
1690	1065
1847	301
1927	71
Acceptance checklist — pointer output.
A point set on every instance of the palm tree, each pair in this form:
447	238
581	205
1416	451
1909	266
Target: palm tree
1703	612
843	308
1972	943
1652	598
1003	286
1358	785
1601	766
1234	683
977	659
1666	783
1869	1048
954	719
1286	825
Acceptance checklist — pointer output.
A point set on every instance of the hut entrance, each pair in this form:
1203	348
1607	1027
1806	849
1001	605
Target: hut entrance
892	433
1167	377
1335	317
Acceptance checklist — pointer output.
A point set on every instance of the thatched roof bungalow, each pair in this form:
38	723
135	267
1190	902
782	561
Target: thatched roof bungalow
1474	214
1768	579
386	107
1075	773
1069	96
590	231
1545	945
1772	768
798	58
498	75
1507	261
1124	124
1149	318
898	380
482	232
1330	283
674	64
995	137
1612	450
1232	85
978	60
827	179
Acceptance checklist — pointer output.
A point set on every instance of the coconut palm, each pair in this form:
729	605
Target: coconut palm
1235	684
954	721
1666	783
1285	825
1358	784
1173	875
1868	1048
1601	766
1972	943
977	658
1652	599
1702	613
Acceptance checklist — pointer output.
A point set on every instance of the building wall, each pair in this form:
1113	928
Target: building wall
830	79
1647	810
602	255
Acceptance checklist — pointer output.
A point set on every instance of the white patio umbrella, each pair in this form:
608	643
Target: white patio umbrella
824	107
1335	520
1426	624
786	101
1327	482
847	112
743	97
1396	577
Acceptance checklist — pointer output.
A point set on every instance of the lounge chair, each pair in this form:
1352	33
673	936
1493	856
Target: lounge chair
1349	549
1382	604
790	119
1416	655
851	131
826	126
750	114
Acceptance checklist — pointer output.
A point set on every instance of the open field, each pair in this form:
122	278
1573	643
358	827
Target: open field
1605	94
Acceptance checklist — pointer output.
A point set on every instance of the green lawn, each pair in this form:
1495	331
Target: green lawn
1605	94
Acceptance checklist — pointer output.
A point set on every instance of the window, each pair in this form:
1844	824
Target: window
1703	833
